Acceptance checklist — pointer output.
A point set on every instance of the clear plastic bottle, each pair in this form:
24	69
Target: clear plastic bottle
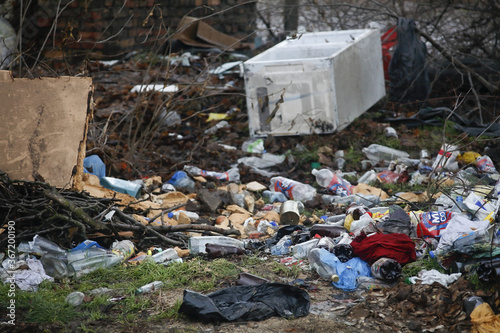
273	197
333	183
319	263
196	244
175	215
149	287
232	175
301	250
86	253
378	152
368	177
87	265
327	230
168	254
282	247
292	189
326	243
182	181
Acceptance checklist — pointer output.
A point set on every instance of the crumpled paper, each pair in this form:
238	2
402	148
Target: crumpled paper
431	276
29	279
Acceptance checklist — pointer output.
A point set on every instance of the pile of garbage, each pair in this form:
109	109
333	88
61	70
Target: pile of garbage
366	247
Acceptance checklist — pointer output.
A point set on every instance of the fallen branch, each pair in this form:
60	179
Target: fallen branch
77	212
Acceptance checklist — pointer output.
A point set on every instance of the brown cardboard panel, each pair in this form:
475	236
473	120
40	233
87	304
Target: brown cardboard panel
194	32
43	128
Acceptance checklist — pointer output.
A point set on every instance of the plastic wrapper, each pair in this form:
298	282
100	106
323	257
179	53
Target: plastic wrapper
247	303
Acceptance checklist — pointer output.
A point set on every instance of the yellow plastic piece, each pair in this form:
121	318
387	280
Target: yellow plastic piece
217	116
484	320
348	221
469	157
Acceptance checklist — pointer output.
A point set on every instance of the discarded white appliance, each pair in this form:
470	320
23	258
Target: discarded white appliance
315	83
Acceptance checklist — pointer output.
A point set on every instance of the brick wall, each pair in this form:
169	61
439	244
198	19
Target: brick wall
108	28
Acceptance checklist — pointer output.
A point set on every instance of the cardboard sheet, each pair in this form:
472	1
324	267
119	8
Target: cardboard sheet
194	32
43	128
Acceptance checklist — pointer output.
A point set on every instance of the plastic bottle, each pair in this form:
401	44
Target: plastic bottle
182	181
326	230
364	199
196	244
386	269
326	243
217	251
86	253
301	250
175	215
368	177
292	189
282	247
87	265
333	183
273	197
317	261
232	175
55	265
343	251
122	186
446	157
165	255
149	287
377	152
489	270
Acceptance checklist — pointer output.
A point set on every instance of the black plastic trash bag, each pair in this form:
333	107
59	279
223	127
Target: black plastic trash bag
246	303
407	70
396	222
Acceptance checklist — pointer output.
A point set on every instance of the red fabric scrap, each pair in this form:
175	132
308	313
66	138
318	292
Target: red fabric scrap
399	247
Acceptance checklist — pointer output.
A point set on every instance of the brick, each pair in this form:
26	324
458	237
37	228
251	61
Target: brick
95	15
89	35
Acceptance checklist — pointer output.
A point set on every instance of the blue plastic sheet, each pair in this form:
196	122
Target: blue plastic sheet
348	272
94	165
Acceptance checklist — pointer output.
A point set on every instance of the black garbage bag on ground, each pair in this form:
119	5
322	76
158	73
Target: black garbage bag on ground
407	69
246	303
397	221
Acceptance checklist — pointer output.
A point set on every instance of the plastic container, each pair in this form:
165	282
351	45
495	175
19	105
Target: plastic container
55	265
282	247
232	175
75	298
166	255
368	177
343	251
292	189
326	243
124	248
197	244
317	262
362	199
216	251
122	186
446	158
86	253
175	215
326	230
182	181
333	183
345	64
149	287
273	197
301	250
87	265
386	269
378	152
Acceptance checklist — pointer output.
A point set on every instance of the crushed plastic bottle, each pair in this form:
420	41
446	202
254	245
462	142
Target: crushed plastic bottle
301	250
386	269
166	255
196	244
182	181
282	247
155	285
292	189
191	215
319	265
273	197
231	175
378	152
446	158
332	182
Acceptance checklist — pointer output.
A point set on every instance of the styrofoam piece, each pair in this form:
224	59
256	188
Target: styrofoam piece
317	83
